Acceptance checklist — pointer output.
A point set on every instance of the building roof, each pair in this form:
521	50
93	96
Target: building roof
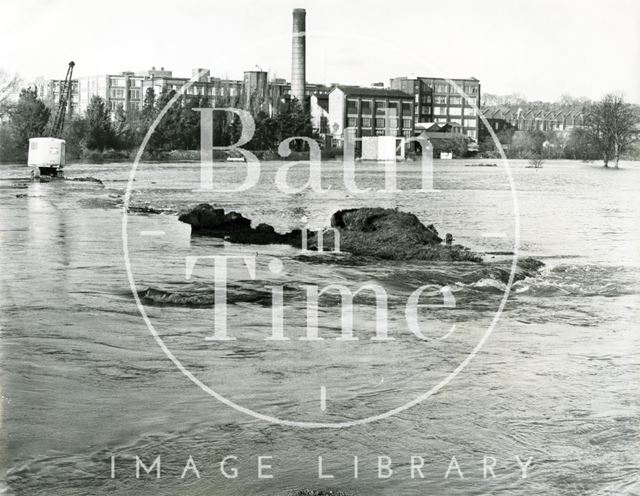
446	79
413	78
530	111
373	92
428	126
435	128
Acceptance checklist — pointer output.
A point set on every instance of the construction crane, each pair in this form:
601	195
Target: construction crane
57	124
47	154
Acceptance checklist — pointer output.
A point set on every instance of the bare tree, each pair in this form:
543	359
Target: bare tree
490	100
9	85
536	162
610	125
572	101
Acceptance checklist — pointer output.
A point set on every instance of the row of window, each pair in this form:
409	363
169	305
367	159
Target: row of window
381	107
390	132
457	111
121	82
136	94
453	100
380	122
211	90
446	88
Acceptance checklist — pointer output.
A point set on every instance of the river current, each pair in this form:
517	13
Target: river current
553	385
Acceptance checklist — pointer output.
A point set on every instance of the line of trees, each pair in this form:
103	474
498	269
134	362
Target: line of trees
610	133
101	133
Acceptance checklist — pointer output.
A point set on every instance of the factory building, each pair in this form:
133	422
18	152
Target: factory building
123	89
255	92
439	101
369	112
366	112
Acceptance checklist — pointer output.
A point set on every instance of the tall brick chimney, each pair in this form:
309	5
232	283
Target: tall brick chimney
298	55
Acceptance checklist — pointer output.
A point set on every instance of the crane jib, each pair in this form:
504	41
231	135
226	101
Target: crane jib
57	124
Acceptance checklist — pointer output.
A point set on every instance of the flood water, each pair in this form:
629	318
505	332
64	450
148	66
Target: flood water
83	378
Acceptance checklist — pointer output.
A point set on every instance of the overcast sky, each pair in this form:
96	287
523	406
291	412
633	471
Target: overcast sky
539	48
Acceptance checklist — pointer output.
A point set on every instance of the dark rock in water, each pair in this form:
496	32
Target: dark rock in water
191	295
203	216
148	209
384	220
365	232
155	296
144	209
206	220
375	232
530	265
86	179
390	234
265	228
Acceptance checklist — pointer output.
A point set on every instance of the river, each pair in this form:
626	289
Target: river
84	380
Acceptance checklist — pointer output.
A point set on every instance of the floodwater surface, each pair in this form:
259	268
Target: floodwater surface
553	384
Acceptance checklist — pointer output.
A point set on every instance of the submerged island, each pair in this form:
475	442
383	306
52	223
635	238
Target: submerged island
383	233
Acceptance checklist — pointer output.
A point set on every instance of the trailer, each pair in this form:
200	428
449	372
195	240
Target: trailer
46	156
383	148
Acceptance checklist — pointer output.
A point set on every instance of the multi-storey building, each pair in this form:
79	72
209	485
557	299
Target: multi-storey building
123	89
255	92
369	112
128	89
438	100
50	90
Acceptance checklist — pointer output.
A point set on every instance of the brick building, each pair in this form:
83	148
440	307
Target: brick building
369	112
438	100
